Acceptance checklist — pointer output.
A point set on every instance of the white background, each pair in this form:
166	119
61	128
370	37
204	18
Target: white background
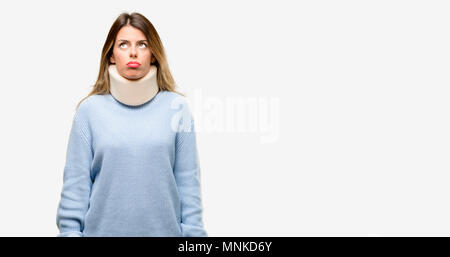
363	86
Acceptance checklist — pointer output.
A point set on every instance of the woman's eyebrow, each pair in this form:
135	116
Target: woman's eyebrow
124	40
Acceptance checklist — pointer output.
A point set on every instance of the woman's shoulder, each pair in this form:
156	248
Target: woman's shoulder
90	103
174	98
171	95
178	103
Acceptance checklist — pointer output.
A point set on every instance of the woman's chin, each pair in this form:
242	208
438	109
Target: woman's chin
133	76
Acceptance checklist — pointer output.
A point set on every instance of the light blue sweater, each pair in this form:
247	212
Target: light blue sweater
131	170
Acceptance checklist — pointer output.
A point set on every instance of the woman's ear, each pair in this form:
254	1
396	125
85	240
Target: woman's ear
111	59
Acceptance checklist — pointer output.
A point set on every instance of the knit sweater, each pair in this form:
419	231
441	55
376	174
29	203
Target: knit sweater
131	170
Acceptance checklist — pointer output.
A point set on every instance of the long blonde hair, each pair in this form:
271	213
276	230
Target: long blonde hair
137	20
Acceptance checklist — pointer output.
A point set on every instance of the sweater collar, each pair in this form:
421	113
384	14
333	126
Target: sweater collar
133	92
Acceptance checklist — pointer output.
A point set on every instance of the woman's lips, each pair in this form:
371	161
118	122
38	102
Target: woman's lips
133	64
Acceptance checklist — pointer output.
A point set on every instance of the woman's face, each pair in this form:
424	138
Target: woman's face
131	45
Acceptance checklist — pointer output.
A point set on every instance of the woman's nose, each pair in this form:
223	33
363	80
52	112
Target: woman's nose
133	52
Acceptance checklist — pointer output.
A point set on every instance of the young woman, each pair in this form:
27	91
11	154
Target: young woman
132	165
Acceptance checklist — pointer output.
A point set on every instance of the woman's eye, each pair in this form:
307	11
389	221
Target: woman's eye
144	45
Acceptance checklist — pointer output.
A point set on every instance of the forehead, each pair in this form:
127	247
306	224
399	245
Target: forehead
130	33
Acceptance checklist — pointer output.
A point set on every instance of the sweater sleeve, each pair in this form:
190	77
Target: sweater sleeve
77	181
187	176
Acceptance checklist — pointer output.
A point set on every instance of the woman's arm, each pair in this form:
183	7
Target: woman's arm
75	193
187	176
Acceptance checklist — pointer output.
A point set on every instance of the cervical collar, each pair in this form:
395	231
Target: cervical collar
133	92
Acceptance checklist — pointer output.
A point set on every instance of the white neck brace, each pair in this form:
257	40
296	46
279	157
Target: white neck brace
133	92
